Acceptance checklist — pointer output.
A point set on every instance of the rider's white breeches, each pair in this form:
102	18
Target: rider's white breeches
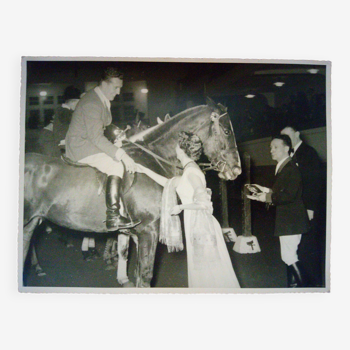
105	164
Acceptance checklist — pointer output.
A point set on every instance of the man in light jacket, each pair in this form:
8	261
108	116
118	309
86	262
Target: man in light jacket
86	143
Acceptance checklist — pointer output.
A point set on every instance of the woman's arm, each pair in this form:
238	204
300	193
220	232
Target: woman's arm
191	206
200	204
161	180
197	186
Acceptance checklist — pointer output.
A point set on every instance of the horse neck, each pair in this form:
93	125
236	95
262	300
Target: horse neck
163	139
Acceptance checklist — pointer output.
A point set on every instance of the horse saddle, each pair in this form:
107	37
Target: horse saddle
128	178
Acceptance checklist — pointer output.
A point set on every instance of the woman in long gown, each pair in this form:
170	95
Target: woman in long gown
208	261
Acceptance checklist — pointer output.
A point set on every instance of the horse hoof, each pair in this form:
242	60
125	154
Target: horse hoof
128	284
69	245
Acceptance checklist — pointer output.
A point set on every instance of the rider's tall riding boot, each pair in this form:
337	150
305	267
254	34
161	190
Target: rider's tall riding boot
115	220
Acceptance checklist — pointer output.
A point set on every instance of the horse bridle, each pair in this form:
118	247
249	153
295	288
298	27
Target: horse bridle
220	165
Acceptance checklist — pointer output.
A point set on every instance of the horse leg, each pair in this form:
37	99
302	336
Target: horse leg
148	240
110	253
28	231
35	263
123	251
85	249
92	248
62	236
65	239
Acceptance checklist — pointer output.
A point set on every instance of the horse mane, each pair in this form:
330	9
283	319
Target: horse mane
161	139
162	130
155	131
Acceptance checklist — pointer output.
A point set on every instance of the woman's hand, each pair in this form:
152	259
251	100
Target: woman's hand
176	210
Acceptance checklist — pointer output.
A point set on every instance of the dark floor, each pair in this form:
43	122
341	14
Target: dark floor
65	267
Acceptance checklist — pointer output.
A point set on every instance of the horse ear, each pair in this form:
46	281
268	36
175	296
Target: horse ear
167	117
210	102
222	107
159	121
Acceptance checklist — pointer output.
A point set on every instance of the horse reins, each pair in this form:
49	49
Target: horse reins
153	154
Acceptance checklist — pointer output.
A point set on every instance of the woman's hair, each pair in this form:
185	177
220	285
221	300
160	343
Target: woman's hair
191	144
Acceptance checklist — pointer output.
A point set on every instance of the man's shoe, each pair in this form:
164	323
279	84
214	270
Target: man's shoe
299	274
292	283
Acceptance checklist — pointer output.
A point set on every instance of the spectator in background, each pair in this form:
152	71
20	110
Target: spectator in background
54	133
63	116
308	162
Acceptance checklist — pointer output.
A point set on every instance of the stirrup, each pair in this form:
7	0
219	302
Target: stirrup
120	226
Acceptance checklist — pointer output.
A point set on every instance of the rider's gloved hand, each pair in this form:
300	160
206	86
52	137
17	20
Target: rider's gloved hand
118	143
130	165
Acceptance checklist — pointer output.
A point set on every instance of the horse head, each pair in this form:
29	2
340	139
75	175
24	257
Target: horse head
220	143
212	124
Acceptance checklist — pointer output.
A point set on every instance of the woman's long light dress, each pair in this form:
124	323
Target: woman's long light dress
209	264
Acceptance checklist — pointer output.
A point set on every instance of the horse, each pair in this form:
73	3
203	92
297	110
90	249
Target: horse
71	196
42	141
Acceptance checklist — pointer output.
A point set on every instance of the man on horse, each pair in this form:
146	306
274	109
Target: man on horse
86	143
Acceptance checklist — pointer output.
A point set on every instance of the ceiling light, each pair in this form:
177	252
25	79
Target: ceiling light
144	91
43	93
249	96
313	71
279	83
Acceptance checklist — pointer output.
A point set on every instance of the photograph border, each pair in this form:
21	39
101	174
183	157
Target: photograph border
26	289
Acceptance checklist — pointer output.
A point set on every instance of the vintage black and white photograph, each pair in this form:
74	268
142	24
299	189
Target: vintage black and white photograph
181	175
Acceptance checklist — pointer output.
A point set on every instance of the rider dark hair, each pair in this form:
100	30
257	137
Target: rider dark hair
286	141
111	72
191	144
